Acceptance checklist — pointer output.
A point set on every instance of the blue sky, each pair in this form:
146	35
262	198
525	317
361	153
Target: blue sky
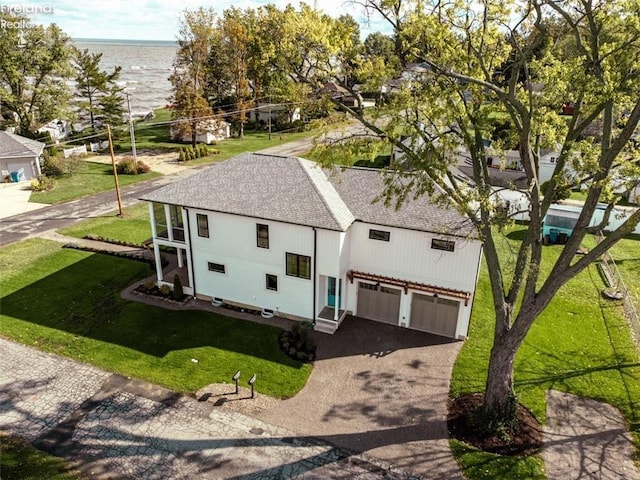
150	19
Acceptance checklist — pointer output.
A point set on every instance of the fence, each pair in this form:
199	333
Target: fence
68	152
616	282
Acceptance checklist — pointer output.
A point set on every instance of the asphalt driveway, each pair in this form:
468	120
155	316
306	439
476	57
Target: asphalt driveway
380	390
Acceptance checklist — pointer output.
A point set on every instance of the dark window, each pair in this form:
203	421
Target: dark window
216	267
263	235
446	245
175	213
379	235
272	282
203	225
298	265
160	220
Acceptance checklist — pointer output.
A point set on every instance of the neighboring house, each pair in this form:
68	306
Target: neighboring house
58	129
277	112
207	131
283	235
19	157
340	94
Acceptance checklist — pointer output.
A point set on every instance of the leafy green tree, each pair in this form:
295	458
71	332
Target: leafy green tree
190	70
98	88
34	64
453	105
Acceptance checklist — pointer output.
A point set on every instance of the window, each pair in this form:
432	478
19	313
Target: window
175	214
446	245
160	220
298	265
263	235
216	267
379	235
203	225
272	282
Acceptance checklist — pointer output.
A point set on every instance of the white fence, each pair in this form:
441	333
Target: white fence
68	152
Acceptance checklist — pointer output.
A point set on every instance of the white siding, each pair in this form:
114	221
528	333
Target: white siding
408	256
232	242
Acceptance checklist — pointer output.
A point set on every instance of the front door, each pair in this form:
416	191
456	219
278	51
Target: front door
331	291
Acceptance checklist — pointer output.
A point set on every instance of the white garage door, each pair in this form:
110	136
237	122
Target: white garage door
434	314
378	303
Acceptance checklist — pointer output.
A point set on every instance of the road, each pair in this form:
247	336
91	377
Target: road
31	224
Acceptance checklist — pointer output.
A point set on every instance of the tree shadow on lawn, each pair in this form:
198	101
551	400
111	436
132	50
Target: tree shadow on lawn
82	299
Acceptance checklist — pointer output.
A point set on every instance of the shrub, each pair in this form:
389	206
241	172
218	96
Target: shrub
51	166
165	290
42	184
70	165
127	166
181	156
177	288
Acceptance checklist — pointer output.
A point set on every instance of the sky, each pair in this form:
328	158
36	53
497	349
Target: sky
150	19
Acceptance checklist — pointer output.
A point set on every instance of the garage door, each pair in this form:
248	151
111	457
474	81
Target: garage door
434	314
378	303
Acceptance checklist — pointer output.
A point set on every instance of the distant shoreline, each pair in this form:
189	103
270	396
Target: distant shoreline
114	41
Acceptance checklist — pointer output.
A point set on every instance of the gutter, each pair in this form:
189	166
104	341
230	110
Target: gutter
315	275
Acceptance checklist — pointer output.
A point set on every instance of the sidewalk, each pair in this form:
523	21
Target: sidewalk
113	427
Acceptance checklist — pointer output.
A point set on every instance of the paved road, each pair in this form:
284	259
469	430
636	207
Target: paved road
113	427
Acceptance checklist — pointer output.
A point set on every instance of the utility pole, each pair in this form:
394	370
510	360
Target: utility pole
132	134
115	172
269	116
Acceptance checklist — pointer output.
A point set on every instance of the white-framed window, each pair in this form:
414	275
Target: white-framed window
440	244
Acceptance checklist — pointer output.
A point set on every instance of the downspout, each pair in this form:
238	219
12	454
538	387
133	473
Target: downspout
193	272
315	275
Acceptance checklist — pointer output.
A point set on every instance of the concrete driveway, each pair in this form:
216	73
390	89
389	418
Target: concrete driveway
14	199
380	390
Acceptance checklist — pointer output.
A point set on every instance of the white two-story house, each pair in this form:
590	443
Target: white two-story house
283	235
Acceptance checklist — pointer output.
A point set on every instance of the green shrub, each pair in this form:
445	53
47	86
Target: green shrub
42	184
178	293
51	166
127	166
182	156
165	290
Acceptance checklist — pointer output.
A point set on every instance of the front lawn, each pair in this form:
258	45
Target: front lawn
90	179
134	227
580	344
20	461
67	302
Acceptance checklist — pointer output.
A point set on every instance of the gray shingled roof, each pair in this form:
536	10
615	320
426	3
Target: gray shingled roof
295	190
263	186
12	145
360	187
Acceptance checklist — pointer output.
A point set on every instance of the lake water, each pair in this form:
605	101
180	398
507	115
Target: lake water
146	66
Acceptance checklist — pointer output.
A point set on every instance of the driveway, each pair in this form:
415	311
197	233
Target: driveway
380	390
14	199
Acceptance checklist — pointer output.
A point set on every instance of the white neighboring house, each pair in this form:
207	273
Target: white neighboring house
59	129
207	131
283	235
276	112
19	157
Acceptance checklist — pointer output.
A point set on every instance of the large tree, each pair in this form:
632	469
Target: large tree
493	59
34	64
189	78
98	89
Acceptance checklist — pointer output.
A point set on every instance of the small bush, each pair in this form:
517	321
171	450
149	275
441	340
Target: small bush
42	184
51	166
127	166
165	290
178	293
181	156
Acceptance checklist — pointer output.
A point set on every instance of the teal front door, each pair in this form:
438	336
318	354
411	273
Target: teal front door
331	291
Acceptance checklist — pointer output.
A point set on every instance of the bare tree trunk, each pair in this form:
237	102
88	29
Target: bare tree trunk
500	405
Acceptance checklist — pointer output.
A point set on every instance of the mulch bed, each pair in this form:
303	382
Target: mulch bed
527	441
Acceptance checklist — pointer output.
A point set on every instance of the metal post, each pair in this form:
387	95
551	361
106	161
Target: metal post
252	380
235	378
269	117
132	134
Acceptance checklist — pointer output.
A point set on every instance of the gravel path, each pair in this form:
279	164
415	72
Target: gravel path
586	439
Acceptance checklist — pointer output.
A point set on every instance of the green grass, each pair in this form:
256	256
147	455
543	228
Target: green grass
580	344
90	179
20	461
67	302
133	228
154	137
